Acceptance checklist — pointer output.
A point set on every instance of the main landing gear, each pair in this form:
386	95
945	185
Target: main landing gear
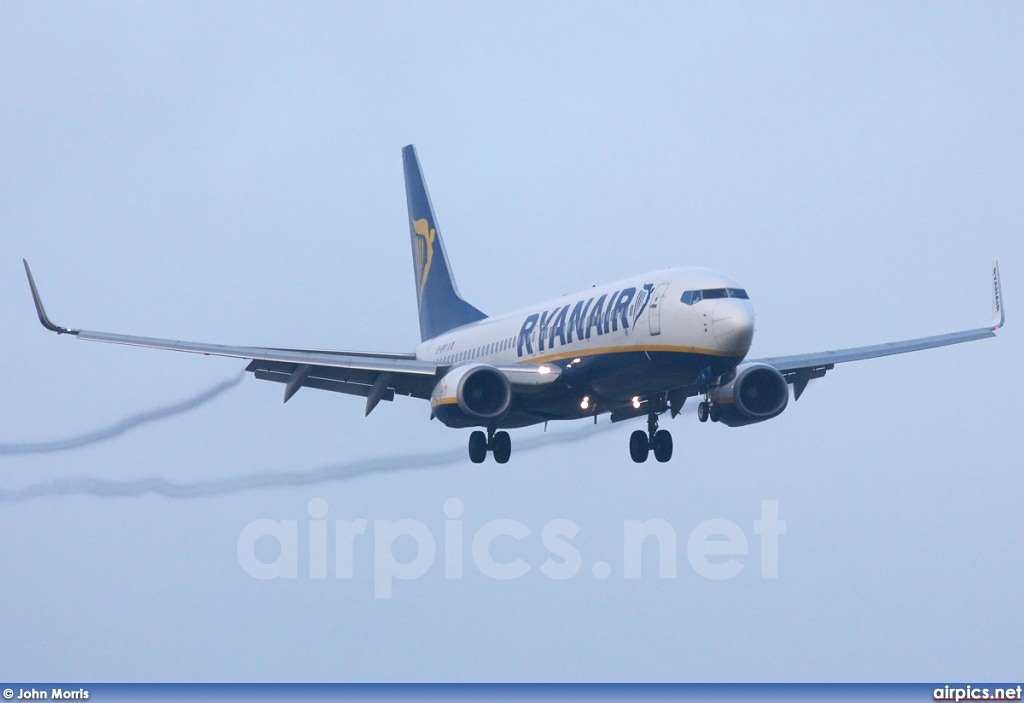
497	442
642	443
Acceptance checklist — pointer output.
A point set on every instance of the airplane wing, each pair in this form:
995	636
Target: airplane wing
799	369
374	376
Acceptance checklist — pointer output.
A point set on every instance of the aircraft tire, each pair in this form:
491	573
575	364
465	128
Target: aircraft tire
662	446
702	412
639	446
477	447
501	445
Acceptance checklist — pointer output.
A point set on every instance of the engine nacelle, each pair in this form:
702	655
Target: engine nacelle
471	395
757	393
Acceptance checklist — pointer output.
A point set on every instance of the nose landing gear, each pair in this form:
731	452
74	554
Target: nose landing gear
641	443
707	411
498	443
703	411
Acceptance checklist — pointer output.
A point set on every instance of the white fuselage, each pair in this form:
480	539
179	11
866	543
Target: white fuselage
652	318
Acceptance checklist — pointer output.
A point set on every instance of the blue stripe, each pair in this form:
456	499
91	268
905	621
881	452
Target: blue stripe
376	692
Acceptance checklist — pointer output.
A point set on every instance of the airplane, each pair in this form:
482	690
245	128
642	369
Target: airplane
638	347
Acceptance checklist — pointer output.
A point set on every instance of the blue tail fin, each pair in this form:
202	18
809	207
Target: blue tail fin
441	307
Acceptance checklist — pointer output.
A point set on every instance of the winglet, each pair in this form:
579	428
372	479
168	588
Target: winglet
39	306
998	314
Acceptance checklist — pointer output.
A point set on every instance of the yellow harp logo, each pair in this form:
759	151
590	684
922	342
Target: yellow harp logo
424	249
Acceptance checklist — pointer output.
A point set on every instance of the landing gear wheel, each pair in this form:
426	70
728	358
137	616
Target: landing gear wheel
501	445
662	446
478	447
715	414
703	411
639	446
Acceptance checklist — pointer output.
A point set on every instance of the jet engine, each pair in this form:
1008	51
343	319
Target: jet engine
471	395
756	393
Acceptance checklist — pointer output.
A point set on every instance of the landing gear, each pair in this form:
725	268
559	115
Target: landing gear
642	443
477	447
708	411
497	442
639	446
662	445
501	445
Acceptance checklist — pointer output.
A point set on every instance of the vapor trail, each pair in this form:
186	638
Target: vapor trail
128	423
330	473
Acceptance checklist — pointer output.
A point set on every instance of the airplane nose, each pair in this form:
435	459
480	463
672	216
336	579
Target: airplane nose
733	325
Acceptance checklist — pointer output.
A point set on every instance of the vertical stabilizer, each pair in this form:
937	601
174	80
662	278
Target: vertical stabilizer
441	307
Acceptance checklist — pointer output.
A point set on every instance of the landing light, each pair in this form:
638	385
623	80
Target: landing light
544	369
636	402
585	403
576	360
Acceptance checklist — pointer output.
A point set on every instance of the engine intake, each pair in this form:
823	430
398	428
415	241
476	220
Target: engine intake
484	392
472	395
757	393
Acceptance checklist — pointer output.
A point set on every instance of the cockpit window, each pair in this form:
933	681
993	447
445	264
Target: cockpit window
692	297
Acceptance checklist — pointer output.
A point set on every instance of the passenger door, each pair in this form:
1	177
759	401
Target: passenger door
654	316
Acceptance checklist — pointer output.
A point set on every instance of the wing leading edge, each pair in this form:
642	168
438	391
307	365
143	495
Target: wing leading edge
799	369
374	376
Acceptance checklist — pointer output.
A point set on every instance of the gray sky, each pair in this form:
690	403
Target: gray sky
232	174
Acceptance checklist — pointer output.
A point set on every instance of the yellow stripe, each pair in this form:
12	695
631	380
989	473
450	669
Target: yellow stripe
620	350
443	401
